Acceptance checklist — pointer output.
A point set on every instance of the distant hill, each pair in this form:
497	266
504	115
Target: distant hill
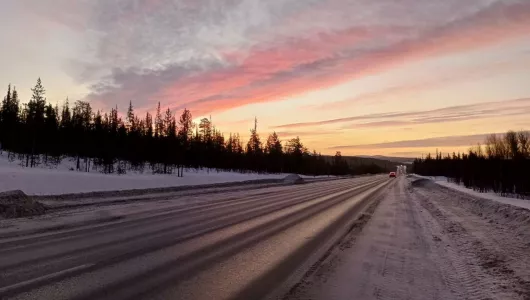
401	160
367	163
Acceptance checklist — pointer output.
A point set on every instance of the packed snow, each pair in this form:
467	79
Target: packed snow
490	196
62	180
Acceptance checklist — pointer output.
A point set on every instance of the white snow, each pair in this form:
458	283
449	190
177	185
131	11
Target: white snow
48	181
490	196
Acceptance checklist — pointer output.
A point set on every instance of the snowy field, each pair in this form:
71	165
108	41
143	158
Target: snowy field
61	180
490	195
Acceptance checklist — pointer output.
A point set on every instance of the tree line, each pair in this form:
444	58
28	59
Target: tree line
38	132
501	164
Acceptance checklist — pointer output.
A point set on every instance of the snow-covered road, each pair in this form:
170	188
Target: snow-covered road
407	240
233	245
426	242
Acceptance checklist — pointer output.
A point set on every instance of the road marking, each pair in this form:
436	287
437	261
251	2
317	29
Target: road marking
8	288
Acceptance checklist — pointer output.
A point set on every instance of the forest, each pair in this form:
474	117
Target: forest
501	164
39	133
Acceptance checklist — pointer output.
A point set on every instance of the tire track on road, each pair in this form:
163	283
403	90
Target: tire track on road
162	242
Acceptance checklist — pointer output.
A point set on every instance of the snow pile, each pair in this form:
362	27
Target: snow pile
293	179
433	178
14	204
46	181
490	196
514	215
421	182
442	181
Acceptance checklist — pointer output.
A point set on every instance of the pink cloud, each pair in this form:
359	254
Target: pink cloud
295	66
514	107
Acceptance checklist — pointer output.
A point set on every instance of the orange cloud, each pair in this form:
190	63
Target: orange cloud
290	134
413	88
447	114
446	141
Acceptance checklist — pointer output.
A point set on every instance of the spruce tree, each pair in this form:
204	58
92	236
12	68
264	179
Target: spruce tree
130	116
274	145
185	125
66	115
35	121
254	143
148	125
3	118
6	103
169	124
159	122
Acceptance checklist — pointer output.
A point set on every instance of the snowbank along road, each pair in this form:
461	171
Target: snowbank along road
363	238
236	245
426	242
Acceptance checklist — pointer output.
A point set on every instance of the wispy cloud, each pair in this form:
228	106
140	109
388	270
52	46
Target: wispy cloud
447	141
443	79
442	115
290	134
216	55
407	153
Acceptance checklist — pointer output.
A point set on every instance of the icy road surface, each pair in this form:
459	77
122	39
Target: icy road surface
426	242
237	245
363	238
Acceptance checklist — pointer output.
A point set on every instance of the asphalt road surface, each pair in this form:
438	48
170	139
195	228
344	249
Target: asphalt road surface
239	245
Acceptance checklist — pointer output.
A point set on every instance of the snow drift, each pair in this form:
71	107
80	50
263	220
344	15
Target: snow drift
43	180
14	204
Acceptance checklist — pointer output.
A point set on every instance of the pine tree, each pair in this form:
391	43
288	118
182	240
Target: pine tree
185	132
524	143
98	120
169	124
51	127
114	121
295	147
148	125
66	116
274	145
130	116
3	118
15	102
254	143
81	121
512	144
66	134
35	120
104	139
6	103
9	118
159	122
205	127
185	125
274	151
340	166
37	103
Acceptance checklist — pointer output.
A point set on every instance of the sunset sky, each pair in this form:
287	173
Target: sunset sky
385	77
